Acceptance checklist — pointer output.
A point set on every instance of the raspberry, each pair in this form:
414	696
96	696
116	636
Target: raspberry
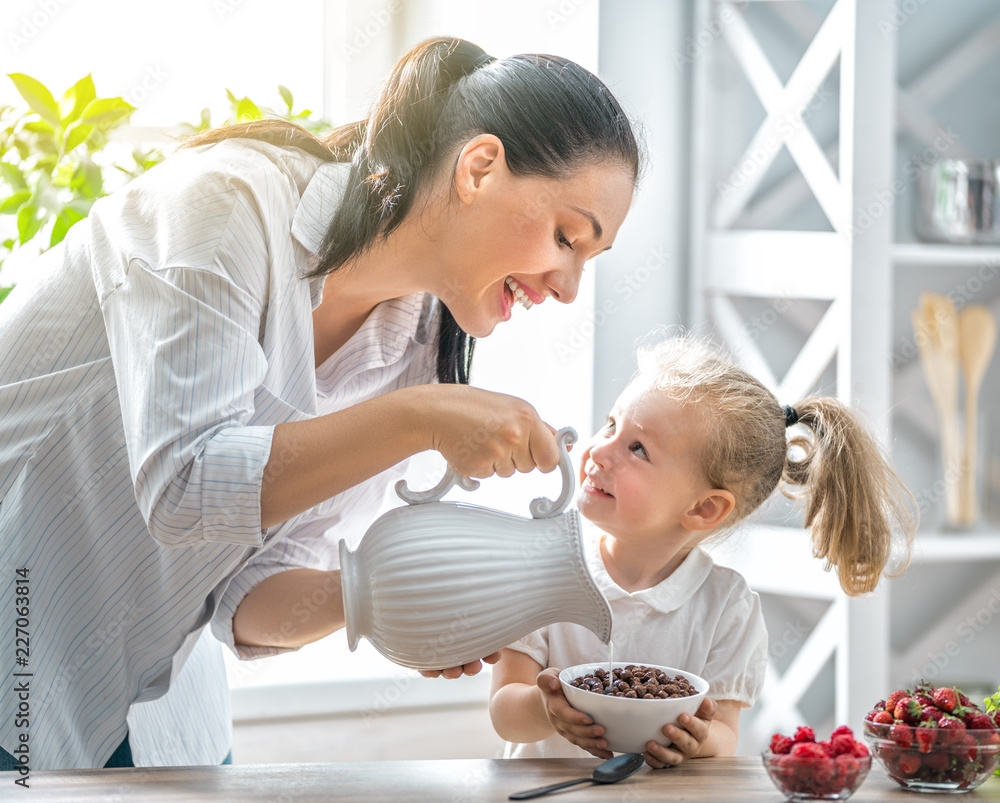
781	744
860	751
843	744
808	750
804	734
842	730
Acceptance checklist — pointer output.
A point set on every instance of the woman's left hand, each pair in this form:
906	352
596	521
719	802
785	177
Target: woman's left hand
453	672
687	740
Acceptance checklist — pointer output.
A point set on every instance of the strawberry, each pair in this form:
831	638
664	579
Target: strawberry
883	718
894	698
781	744
908	710
926	736
952	729
946	699
901	734
908	764
804	734
980	721
938	761
929	713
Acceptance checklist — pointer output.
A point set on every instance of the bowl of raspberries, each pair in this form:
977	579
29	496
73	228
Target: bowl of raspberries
934	739
804	769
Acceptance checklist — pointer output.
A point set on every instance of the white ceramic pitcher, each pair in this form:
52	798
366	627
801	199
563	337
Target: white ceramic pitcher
438	584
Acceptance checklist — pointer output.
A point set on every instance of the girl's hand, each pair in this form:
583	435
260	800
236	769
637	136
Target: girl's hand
570	723
466	669
481	433
687	740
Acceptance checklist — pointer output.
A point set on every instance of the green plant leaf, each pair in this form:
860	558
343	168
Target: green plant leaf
87	181
105	113
39	127
76	99
5	291
286	96
232	98
247	110
64	222
29	221
12	175
76	134
37	95
13	202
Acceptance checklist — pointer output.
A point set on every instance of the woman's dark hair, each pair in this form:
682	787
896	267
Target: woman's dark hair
551	115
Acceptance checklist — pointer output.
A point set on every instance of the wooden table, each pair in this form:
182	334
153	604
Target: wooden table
727	780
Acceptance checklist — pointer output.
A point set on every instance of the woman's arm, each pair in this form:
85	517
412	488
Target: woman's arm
478	432
290	609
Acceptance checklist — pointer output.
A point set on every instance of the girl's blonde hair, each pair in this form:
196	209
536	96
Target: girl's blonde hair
856	505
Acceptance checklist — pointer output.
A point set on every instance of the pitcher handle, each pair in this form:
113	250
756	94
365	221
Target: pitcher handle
450	479
540	508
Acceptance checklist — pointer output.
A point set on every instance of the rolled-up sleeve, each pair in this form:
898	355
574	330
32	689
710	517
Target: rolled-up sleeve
187	361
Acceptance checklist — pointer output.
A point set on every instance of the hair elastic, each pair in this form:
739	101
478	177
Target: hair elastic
791	415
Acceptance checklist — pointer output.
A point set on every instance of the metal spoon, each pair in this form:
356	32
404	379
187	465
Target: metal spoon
611	771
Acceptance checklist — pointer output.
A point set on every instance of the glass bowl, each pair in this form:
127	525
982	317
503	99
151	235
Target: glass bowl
808	778
953	761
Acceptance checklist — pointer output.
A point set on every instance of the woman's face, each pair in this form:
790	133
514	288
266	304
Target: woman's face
526	239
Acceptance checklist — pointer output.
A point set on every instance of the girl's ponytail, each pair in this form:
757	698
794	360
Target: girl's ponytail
856	505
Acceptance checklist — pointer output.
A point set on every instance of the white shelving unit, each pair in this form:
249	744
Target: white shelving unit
739	252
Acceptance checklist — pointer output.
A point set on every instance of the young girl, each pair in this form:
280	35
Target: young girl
693	445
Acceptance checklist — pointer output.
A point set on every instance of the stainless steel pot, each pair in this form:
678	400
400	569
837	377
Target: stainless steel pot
960	201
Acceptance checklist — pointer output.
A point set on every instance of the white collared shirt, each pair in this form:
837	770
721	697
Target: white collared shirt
141	375
703	618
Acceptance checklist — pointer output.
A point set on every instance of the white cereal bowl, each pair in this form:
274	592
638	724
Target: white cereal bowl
630	723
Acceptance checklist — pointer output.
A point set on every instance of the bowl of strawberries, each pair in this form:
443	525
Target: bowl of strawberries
804	769
934	739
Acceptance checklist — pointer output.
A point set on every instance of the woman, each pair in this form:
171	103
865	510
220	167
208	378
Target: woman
216	376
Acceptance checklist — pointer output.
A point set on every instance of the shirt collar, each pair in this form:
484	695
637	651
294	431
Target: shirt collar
666	597
318	204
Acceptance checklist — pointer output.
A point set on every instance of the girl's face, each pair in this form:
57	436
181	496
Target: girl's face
642	472
526	239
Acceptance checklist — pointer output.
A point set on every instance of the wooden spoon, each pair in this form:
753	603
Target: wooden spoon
977	339
936	327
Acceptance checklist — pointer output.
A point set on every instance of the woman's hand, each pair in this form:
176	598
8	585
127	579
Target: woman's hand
570	723
481	433
470	669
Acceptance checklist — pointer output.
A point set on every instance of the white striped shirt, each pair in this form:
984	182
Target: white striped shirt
141	376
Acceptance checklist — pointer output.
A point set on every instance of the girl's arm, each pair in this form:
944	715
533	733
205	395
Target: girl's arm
528	705
712	731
